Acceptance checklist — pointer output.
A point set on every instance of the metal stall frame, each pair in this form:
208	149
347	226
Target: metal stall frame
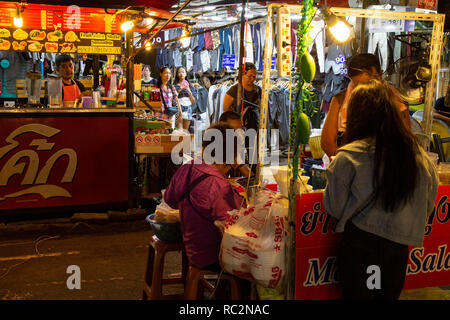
430	96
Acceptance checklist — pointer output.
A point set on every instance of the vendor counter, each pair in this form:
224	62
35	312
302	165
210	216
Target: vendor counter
65	159
317	245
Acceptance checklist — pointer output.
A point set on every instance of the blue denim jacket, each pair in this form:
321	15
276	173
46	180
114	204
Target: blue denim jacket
349	185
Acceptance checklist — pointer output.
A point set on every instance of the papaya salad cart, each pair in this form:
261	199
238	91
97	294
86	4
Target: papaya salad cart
56	157
311	243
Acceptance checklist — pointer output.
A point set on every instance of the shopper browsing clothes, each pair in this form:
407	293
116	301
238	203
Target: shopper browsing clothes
203	195
251	94
169	98
73	89
186	96
361	68
381	187
146	76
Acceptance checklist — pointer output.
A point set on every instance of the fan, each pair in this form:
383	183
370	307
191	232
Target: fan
410	76
4	64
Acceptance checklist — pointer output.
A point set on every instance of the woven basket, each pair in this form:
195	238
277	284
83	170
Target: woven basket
316	149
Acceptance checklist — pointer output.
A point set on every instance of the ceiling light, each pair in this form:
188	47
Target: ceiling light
18	20
148	21
209	8
148	46
340	30
185	42
127	25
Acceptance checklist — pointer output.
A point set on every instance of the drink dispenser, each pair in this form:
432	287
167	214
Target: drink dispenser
33	83
54	91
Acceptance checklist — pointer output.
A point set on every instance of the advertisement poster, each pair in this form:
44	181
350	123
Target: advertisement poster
51	162
317	245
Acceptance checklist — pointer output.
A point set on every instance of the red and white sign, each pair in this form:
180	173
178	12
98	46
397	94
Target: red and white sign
50	162
317	245
428	4
148	139
157	140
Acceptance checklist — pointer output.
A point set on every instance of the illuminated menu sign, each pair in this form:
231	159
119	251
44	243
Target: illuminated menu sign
36	40
70	19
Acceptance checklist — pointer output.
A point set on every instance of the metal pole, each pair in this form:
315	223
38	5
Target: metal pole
96	69
241	59
430	92
363	29
130	68
160	28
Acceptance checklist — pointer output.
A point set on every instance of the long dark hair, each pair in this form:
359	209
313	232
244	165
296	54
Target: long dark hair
169	84
176	80
373	114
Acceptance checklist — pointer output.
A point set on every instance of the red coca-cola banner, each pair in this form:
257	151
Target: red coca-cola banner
52	162
317	245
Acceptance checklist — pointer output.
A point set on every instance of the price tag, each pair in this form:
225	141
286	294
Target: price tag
340	59
386	25
228	60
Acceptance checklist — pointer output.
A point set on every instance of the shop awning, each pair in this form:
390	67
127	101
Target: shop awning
157	4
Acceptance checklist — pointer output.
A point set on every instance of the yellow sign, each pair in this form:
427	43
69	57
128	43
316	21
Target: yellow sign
91	35
106	43
99	50
116	37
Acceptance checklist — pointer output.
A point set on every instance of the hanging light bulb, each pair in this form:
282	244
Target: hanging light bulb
339	29
127	25
185	40
148	46
18	20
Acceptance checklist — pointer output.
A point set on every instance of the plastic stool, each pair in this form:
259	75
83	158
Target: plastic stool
196	282
153	279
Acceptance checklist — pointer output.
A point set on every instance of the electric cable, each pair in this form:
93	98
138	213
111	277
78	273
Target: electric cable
36	243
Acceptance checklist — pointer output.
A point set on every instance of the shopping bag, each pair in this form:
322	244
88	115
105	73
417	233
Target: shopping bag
254	239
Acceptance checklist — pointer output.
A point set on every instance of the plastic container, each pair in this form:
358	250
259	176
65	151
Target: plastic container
443	170
166	232
316	149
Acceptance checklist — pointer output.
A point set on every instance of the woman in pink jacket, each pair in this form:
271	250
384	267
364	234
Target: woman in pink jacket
203	195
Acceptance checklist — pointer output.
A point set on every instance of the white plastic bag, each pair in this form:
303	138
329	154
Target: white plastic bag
254	240
164	213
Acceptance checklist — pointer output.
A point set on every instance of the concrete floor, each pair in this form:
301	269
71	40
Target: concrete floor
112	267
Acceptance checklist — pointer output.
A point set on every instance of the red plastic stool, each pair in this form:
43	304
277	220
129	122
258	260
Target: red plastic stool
153	279
196	282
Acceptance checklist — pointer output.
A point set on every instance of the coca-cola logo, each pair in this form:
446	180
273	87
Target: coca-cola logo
26	162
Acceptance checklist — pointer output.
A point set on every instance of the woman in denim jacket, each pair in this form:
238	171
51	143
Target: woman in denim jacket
381	187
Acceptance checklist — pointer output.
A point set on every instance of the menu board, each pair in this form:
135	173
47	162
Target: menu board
36	40
62	18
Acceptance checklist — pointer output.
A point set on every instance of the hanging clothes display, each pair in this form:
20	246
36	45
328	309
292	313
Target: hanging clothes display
318	35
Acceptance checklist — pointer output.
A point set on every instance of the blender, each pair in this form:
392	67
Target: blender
54	90
33	84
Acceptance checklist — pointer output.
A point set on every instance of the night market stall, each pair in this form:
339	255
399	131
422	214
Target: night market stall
60	155
312	243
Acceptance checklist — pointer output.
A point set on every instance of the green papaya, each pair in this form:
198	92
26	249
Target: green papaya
303	128
307	67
